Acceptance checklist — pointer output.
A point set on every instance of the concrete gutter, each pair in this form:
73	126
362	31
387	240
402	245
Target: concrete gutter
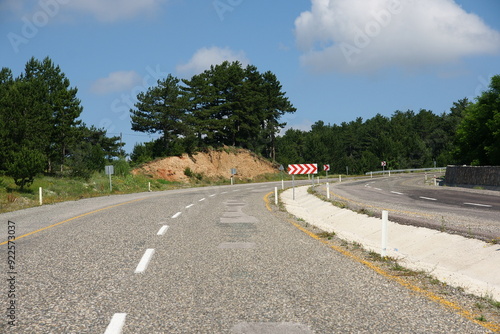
458	261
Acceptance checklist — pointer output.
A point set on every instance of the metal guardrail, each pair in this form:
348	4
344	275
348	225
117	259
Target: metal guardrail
390	171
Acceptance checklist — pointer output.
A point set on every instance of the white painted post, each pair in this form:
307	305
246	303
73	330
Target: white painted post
276	195
389	172
40	195
328	190
282	184
371	175
149	186
385	218
340	178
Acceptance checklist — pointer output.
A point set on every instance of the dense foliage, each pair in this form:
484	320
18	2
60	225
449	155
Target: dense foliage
225	105
468	134
39	126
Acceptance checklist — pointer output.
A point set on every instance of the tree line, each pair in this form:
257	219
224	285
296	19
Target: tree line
227	104
468	134
40	130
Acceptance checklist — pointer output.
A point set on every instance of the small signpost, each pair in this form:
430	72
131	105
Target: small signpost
301	169
233	173
109	171
326	168
383	164
281	171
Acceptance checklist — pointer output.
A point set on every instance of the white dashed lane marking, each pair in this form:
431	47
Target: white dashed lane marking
478	204
188	206
201	200
162	230
116	324
397	193
177	215
428	198
143	264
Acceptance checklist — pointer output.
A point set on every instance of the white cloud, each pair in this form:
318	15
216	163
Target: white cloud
205	57
116	82
366	36
115	10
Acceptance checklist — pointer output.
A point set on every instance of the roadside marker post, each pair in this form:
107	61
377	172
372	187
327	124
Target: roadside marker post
328	190
40	195
276	196
385	219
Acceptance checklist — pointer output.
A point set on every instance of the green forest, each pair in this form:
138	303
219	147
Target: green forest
228	105
40	130
468	134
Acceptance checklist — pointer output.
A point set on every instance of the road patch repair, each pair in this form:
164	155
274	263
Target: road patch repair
455	260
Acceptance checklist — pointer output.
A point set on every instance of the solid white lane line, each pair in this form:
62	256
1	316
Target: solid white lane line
202	199
428	198
116	324
143	264
162	230
188	206
397	193
481	205
177	215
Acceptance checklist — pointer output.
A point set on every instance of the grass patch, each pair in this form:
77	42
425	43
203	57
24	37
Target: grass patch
60	189
326	235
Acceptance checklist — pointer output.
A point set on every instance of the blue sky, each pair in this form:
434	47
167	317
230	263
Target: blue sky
336	59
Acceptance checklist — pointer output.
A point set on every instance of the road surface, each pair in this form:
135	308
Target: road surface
204	260
471	212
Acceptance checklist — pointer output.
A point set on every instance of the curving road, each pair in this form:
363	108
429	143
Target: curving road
409	197
205	260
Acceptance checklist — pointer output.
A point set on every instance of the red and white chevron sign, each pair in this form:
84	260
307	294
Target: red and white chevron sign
326	168
303	169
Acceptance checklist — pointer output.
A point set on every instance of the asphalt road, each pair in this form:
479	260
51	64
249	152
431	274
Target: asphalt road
472	212
206	260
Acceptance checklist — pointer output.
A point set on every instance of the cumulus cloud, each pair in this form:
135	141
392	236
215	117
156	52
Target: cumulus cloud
205	57
115	10
366	36
116	82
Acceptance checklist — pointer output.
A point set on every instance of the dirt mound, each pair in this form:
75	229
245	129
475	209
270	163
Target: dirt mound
214	164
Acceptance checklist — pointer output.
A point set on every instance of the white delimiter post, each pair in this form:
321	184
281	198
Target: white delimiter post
276	195
328	190
385	219
40	195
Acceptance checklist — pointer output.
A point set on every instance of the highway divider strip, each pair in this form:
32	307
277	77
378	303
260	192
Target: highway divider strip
432	296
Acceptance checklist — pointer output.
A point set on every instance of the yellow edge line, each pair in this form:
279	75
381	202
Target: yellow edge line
70	219
446	303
